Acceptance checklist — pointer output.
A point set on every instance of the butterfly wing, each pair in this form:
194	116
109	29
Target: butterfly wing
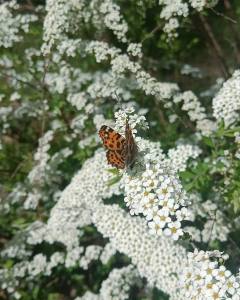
112	140
115	159
115	143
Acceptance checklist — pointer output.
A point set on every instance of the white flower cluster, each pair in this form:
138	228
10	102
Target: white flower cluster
40	264
73	256
92	183
78	124
213	89
108	251
55	23
173	10
62	80
37	174
155	190
101	50
29	269
118	283
32	199
237	141
195	111
92	252
69	47
17	250
145	81
78	100
81	204
45	172
113	19
159	196
5	114
116	286
89	141
200	4
215	226
226	104
121	63
179	156
134	120
206	278
156	258
135	49
58	22
11	24
190	70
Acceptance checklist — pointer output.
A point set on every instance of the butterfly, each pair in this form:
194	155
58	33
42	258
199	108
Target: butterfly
121	152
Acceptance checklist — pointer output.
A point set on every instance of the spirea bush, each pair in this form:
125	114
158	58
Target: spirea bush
74	227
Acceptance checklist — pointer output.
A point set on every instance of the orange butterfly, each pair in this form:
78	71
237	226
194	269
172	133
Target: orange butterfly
121	152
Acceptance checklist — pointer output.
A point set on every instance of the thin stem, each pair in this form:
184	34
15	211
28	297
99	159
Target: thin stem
234	29
222	15
150	34
215	45
20	80
17	169
44	91
211	231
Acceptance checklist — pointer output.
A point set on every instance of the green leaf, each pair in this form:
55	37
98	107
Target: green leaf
54	296
113	171
208	141
114	180
8	264
236	201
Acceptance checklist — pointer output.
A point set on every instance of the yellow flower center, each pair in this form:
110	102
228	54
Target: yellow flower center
164	191
209	271
209	285
221	273
215	296
174	230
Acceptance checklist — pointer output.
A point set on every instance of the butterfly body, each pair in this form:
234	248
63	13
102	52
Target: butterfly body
121	152
131	147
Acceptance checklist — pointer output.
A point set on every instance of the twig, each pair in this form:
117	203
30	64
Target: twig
17	169
44	89
234	29
235	244
227	219
222	15
150	34
211	230
19	80
216	46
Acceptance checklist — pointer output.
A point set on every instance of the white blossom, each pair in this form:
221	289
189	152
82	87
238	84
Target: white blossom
11	25
204	278
226	104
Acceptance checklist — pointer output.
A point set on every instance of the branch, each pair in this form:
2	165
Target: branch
215	46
